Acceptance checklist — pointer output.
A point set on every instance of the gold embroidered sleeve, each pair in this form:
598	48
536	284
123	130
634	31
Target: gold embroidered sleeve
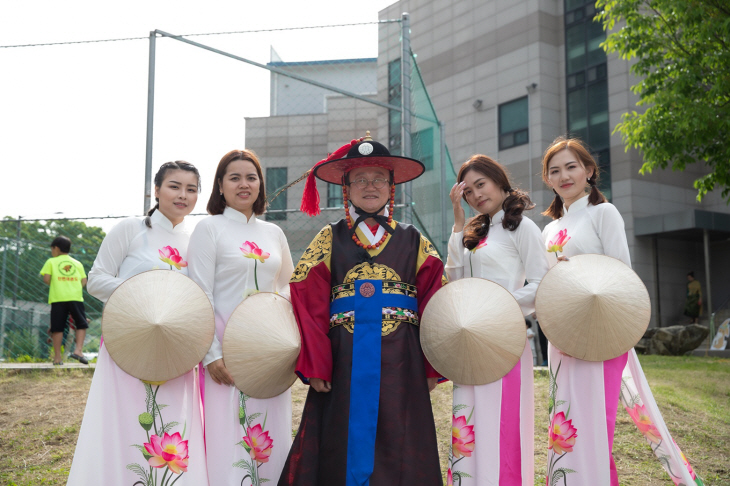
319	250
425	250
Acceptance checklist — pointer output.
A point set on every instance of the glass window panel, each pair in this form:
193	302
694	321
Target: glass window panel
576	48
506	141
598	98
569	18
577	110
590	9
276	179
573	4
599	136
521	137
591	74
334	196
595	35
513	115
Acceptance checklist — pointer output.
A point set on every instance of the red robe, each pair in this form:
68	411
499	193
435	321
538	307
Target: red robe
405	449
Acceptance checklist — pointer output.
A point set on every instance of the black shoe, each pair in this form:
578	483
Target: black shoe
80	359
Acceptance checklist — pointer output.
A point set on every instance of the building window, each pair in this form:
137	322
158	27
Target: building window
334	196
586	83
275	180
513	123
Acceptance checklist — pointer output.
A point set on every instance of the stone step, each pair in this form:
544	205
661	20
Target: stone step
725	353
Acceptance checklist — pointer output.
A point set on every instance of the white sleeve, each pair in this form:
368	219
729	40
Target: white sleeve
287	268
104	274
455	259
612	232
201	268
529	243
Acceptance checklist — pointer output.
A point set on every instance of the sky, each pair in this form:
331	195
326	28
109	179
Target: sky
73	117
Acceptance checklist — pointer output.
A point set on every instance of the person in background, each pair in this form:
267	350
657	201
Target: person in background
693	303
66	278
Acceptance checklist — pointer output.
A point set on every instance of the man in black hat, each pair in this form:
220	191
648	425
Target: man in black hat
357	293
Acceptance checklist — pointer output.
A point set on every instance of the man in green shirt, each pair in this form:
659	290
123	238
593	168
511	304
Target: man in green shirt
66	278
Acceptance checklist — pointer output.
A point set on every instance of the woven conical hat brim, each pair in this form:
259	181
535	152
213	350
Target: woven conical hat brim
261	345
593	307
158	325
473	331
404	169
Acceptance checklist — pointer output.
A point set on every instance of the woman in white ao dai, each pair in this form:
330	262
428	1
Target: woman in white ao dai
584	398
232	254
135	432
493	424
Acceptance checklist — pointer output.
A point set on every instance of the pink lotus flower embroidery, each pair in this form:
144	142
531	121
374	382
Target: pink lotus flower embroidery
449	478
259	442
643	422
172	257
562	434
482	243
685	461
170	451
252	250
462	437
556	245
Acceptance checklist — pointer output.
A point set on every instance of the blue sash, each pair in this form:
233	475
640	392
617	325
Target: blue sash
365	379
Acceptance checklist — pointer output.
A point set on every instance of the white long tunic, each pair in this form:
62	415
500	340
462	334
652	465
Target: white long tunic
106	450
587	393
500	414
219	266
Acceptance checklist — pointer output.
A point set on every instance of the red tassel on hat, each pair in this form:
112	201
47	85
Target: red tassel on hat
310	197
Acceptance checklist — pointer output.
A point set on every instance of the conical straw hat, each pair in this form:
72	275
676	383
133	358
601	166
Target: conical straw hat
473	331
593	307
261	345
158	325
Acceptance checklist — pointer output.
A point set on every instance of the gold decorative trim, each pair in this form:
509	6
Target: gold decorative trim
392	318
398	288
368	271
319	250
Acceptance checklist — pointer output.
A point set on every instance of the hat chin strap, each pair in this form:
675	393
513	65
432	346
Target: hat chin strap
379	218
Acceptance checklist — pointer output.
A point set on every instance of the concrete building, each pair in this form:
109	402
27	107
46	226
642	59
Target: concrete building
307	122
508	76
505	77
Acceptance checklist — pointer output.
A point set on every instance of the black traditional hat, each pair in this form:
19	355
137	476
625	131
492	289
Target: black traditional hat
364	152
368	153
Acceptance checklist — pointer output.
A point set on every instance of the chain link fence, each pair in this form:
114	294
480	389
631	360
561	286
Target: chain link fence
315	105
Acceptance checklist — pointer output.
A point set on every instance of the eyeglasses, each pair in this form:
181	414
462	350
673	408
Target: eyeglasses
364	183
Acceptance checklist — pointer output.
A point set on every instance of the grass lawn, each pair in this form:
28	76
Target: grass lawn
41	411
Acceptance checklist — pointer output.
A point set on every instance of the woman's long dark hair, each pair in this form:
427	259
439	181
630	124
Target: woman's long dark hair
579	148
160	178
516	202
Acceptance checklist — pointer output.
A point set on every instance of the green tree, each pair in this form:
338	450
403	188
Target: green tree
682	53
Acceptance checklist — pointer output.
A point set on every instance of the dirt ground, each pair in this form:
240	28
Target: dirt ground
41	412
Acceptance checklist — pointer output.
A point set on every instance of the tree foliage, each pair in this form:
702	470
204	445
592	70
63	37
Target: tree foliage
682	52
